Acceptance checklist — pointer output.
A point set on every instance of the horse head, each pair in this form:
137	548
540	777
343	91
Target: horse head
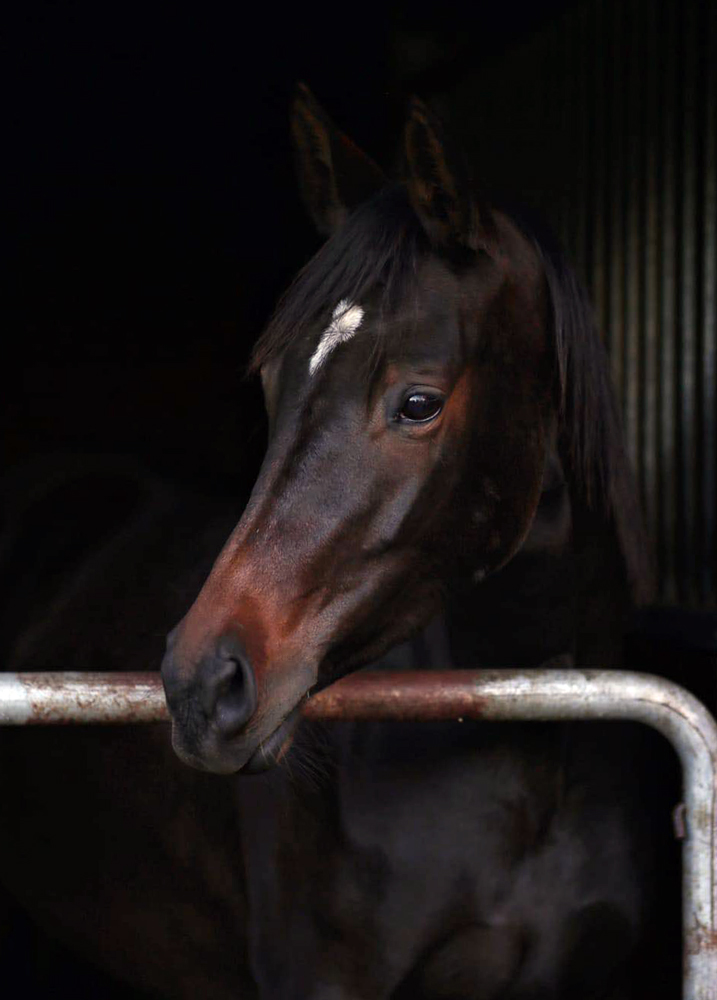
413	392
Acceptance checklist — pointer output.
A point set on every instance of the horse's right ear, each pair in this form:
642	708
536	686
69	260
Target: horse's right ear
334	175
437	185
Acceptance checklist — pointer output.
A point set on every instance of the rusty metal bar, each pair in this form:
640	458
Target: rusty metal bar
500	695
62	698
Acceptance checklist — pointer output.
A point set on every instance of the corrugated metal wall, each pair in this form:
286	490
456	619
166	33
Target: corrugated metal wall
606	123
640	82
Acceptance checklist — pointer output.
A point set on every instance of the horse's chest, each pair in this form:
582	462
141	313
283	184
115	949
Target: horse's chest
461	874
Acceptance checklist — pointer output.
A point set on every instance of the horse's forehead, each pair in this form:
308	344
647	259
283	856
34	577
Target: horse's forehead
346	318
426	311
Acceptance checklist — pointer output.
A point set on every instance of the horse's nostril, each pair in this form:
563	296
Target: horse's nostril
228	694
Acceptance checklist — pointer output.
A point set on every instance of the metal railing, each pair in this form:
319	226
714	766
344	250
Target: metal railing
497	695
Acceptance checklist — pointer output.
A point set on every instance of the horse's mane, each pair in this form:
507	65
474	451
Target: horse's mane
591	429
382	244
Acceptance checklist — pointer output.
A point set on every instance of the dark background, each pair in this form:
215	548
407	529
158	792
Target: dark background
151	218
152	215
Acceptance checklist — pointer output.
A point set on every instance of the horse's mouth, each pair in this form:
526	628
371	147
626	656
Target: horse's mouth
271	750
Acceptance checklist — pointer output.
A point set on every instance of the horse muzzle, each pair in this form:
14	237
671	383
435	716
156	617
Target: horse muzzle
216	724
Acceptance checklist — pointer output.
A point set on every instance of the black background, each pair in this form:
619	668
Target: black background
152	216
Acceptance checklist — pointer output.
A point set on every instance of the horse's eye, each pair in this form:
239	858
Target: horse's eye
420	407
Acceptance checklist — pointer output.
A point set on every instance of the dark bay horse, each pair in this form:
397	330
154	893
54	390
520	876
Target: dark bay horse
445	486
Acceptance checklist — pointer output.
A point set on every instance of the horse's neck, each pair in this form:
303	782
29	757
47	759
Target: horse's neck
563	594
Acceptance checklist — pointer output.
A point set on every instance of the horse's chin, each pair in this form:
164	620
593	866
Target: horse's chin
273	749
230	757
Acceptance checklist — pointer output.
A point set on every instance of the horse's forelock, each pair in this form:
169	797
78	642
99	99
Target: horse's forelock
380	246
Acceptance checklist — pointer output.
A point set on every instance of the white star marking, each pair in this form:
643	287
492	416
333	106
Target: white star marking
345	321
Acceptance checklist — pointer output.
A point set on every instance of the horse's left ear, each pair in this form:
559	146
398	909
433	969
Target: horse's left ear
335	176
437	187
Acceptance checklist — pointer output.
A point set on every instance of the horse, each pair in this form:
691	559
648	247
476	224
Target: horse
443	439
445	485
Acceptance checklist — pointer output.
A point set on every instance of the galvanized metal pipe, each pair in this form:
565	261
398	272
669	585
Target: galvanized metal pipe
62	698
501	695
